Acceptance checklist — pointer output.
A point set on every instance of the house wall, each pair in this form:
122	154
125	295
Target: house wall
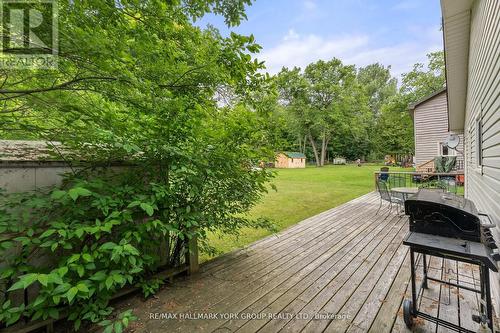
483	104
431	128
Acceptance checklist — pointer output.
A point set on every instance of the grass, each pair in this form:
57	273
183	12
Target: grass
302	193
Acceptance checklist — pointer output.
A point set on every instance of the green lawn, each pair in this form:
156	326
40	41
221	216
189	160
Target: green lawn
302	193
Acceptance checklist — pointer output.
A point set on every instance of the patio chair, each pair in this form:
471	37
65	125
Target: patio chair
384	175
397	181
385	195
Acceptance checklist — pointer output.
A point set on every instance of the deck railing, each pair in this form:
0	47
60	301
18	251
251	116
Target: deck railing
451	182
459	166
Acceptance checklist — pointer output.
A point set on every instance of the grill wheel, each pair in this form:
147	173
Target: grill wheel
407	312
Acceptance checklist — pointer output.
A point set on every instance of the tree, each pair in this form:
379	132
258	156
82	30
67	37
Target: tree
353	136
136	82
421	82
394	129
378	85
317	100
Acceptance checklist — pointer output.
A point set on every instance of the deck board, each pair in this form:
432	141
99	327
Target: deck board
346	261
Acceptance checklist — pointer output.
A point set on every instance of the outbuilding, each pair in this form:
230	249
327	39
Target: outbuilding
289	159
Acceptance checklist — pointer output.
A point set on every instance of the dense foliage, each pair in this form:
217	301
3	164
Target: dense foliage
325	109
137	83
323	102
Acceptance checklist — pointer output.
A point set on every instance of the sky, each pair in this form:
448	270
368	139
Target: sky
292	33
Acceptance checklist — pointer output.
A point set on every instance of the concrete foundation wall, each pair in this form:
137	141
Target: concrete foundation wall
28	176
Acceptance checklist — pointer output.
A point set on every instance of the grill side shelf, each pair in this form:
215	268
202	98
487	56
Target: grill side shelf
458	248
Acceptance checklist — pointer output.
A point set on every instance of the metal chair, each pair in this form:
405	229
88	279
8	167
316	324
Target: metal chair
450	184
385	195
384	175
397	181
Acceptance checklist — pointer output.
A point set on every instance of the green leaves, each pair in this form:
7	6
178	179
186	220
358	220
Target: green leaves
131	249
187	159
71	293
82	287
58	194
47	233
109	282
147	208
43	279
76	192
99	276
117	326
54	313
80	270
73	258
108	246
24	281
18	285
73	193
10	314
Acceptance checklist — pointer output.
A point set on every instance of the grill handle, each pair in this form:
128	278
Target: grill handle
487	225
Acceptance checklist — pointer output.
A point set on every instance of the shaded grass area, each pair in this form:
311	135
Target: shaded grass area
302	193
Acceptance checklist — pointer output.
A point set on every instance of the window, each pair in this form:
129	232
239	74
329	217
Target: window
479	143
469	145
443	150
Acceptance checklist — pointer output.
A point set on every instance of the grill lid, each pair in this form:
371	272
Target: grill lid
445	200
443	214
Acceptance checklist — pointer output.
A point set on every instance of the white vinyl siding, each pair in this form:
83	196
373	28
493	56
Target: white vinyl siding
483	109
457	47
483	104
431	128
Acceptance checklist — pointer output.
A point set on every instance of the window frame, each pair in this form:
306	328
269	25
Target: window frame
478	143
441	147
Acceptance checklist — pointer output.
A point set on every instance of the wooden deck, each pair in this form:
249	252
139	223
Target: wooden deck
344	270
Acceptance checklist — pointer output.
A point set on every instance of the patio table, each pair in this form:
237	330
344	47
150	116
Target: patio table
404	192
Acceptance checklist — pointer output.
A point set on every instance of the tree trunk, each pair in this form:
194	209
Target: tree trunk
324	147
315	150
304	145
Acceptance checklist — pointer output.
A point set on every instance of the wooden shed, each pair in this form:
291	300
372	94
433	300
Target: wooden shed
289	159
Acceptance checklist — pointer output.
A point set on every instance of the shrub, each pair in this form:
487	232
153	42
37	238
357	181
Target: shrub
103	230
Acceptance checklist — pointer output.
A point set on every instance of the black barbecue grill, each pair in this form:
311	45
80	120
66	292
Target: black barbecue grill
450	227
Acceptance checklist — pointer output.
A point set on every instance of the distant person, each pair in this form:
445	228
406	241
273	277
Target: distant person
358	162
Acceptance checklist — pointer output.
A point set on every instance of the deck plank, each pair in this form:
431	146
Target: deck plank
314	224
368	311
376	260
293	300
448	302
368	295
469	301
246	291
211	289
345	261
387	314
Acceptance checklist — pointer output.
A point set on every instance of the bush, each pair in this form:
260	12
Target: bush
185	105
104	230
